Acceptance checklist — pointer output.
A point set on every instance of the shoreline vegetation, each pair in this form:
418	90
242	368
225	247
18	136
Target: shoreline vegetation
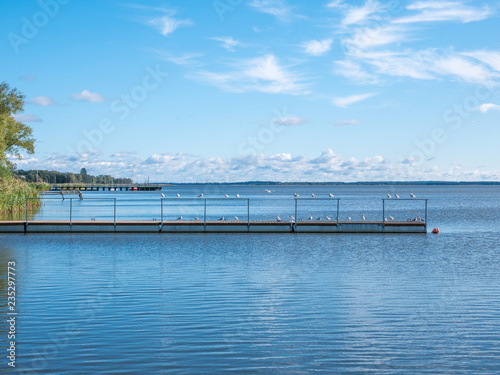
14	192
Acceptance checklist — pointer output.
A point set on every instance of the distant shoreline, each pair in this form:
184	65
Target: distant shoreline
367	183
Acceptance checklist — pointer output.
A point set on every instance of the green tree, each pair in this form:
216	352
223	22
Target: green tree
14	135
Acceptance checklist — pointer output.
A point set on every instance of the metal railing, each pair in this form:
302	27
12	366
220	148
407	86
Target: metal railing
404	200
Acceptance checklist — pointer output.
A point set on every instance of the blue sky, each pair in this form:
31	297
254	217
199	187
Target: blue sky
236	90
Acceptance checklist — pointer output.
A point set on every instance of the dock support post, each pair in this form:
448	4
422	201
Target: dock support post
248	213
338	212
114	212
383	213
70	211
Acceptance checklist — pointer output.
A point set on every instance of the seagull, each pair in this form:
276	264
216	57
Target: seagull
179	218
163	195
278	218
200	196
328	218
389	196
292	218
319	218
397	196
390	217
412	195
330	195
237	195
363	217
196	218
177	195
385	219
310	218
296	195
222	218
312	195
236	218
268	191
226	196
349	218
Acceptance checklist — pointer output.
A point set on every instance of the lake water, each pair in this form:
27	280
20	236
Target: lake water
262	303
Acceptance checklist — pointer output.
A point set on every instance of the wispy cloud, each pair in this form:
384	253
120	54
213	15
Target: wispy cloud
43	101
167	24
485	107
317	47
227	42
366	12
278	8
432	11
490	58
346	101
375	37
28	117
180	59
264	74
87	96
348	122
290	120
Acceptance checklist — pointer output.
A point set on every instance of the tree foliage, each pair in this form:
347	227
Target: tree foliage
14	135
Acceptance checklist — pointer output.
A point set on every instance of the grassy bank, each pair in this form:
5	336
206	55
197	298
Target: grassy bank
14	192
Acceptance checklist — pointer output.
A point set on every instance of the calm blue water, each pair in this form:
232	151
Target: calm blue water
265	303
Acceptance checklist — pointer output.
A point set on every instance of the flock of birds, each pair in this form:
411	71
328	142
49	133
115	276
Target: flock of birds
310	218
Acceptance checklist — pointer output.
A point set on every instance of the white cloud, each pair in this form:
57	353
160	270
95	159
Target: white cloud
346	101
182	59
87	96
167	24
375	37
485	107
263	74
278	8
490	58
432	11
28	117
227	42
463	69
335	4
359	15
290	120
348	122
317	47
43	101
353	70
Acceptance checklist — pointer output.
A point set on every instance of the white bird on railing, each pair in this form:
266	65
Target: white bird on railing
268	191
412	195
292	218
310	218
179	218
312	195
389	196
397	196
236	218
226	196
363	217
278	218
296	195
328	218
237	195
390	217
177	195
349	218
330	195
162	195
196	218
200	196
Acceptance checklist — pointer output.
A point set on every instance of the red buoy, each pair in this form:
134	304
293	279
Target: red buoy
435	230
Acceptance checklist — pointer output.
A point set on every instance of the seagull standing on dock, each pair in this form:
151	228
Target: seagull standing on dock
226	196
236	218
200	196
278	218
222	218
196	218
268	191
296	195
312	195
328	218
162	195
292	218
397	196
310	218
179	218
237	195
412	195
389	196
177	195
390	217
330	195
363	217
348	218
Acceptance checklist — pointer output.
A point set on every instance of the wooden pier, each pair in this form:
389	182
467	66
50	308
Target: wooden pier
83	187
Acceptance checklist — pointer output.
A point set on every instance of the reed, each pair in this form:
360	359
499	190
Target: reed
14	192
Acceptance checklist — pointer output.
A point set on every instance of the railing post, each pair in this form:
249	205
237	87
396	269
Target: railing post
27	208
338	211
426	215
383	212
296	215
205	213
114	212
161	215
248	212
70	211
